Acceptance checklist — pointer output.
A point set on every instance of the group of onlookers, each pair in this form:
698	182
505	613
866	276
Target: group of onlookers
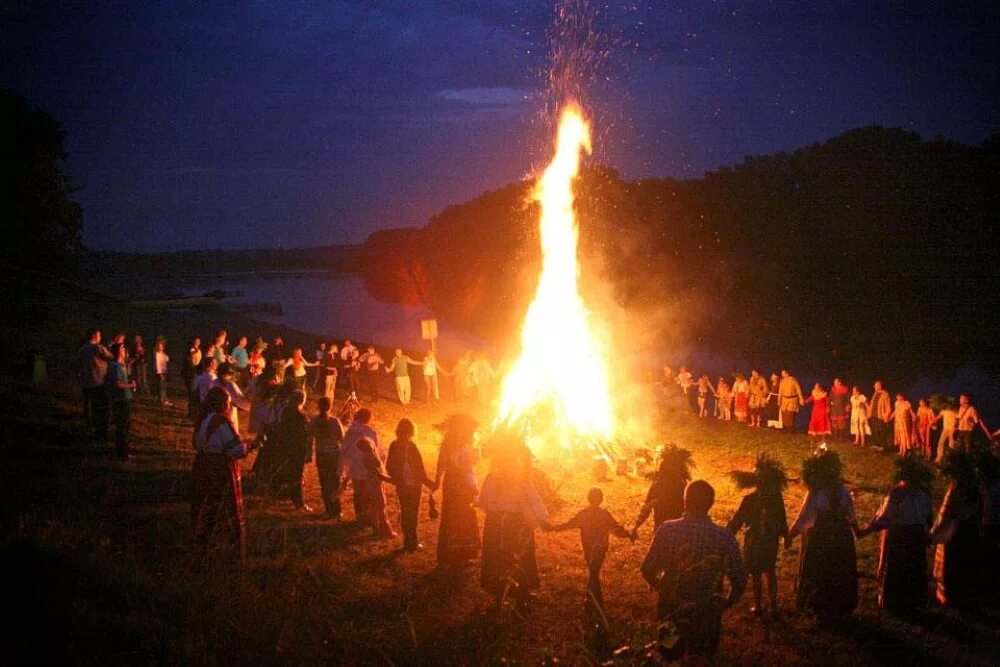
881	421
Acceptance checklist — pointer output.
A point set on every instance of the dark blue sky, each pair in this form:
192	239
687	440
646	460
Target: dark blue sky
195	125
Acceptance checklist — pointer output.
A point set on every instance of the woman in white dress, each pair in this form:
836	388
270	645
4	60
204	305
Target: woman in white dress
859	417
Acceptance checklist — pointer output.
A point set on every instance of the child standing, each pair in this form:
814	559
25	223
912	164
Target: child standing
595	524
723	402
762	512
327	434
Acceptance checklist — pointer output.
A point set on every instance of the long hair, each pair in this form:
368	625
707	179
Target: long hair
823	471
914	470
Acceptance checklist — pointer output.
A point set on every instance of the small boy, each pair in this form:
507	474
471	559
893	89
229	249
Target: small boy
595	524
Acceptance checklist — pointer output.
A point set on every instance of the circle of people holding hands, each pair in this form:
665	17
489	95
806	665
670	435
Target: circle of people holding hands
689	557
881	421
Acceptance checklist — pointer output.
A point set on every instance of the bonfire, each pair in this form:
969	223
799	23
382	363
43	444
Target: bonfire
557	391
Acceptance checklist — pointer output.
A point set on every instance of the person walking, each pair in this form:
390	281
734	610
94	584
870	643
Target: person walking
595	525
405	467
685	564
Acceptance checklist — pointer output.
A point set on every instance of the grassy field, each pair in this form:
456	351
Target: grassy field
97	565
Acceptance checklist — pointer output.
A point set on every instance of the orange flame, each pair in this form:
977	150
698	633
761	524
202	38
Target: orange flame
561	375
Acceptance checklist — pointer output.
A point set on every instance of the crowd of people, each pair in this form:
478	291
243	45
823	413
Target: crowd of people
689	556
880	421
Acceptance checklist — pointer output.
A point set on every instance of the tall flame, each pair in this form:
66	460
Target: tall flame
561	375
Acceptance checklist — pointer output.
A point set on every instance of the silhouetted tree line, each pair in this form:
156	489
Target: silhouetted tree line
873	252
41	222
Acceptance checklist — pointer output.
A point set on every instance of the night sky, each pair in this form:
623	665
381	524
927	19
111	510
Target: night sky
192	125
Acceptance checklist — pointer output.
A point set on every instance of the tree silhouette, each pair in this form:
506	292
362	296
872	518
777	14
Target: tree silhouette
42	220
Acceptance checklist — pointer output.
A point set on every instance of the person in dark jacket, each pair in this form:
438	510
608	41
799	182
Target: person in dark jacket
294	446
762	513
405	467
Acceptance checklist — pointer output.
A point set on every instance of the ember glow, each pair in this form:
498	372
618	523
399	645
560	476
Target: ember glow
557	390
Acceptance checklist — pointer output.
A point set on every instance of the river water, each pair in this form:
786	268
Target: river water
334	305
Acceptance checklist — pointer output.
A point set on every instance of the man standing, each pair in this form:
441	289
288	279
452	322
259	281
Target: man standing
789	399
685	564
119	389
401	365
351	464
318	379
92	372
881	409
372	363
968	420
241	361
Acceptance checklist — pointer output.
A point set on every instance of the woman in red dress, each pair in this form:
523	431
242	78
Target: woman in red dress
741	395
819	421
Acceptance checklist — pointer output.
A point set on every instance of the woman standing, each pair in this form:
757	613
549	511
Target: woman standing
217	503
839	408
297	380
904	520
192	365
902	416
859	416
458	538
819	420
958	559
828	564
256	363
161	361
741	398
922	433
665	499
513	511
374	493
762	512
406	469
